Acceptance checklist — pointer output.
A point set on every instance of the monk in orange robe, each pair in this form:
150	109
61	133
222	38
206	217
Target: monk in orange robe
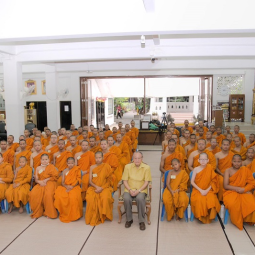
84	137
213	130
204	202
168	136
111	159
237	133
41	197
86	128
8	154
224	161
192	146
208	138
214	148
193	160
62	135
238	199
114	133
99	194
22	153
73	148
47	137
185	139
201	134
169	155
52	148
125	155
67	140
175	198
134	130
131	135
219	136
73	130
60	160
250	161
29	141
179	148
107	131
84	160
187	127
35	158
93	147
11	145
127	140
201	125
251	142
17	193
28	148
6	177
239	149
68	200
232	144
175	130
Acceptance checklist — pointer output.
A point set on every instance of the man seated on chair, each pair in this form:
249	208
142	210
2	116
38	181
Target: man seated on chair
237	197
175	198
204	202
136	178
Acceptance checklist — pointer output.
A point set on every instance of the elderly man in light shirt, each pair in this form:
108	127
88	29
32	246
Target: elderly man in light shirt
136	177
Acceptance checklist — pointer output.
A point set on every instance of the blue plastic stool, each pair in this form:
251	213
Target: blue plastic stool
163	212
27	205
4	206
226	217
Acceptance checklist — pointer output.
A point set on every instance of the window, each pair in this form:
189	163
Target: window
159	99
234	83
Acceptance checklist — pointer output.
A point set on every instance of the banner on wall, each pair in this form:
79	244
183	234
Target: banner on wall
101	99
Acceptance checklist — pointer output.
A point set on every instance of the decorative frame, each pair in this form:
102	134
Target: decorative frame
30	83
43	86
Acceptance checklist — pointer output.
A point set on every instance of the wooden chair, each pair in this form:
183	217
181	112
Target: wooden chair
147	203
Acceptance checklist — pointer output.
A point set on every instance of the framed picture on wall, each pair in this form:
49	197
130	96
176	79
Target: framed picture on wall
43	85
110	106
29	84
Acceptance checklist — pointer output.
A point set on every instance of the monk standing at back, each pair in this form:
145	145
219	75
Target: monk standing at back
239	149
99	194
41	197
35	159
204	202
68	200
224	161
250	161
84	160
238	199
22	153
52	148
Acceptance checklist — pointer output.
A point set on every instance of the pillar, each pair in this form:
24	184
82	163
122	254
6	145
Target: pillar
14	108
52	98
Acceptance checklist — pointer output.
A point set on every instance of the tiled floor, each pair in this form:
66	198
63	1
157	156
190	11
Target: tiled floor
22	235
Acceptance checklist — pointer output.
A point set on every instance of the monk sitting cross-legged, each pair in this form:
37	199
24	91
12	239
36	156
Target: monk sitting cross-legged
60	159
237	197
68	200
204	202
6	177
239	149
41	197
22	153
175	198
99	194
84	160
17	193
224	161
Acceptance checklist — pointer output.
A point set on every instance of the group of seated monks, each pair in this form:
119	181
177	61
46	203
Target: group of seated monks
222	167
70	166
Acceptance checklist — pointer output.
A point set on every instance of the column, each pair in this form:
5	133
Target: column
13	104
76	100
52	98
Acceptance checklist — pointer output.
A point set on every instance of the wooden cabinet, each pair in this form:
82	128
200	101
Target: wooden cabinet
236	107
30	116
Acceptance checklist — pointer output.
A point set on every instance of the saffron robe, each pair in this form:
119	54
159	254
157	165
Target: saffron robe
6	174
26	154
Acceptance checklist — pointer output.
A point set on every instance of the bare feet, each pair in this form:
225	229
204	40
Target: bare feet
21	209
10	209
177	217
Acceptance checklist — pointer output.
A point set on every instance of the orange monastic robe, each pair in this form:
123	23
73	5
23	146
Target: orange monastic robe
127	140
68	143
37	159
9	156
46	141
85	161
107	133
201	137
100	205
19	194
114	136
180	149
136	131
76	150
242	136
6	174
241	207
190	129
191	150
30	142
219	138
223	165
111	159
61	164
205	129
242	152
52	151
69	204
125	154
96	149
216	150
186	144
179	202
41	198
13	147
252	166
168	160
205	208
252	144
26	154
75	133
